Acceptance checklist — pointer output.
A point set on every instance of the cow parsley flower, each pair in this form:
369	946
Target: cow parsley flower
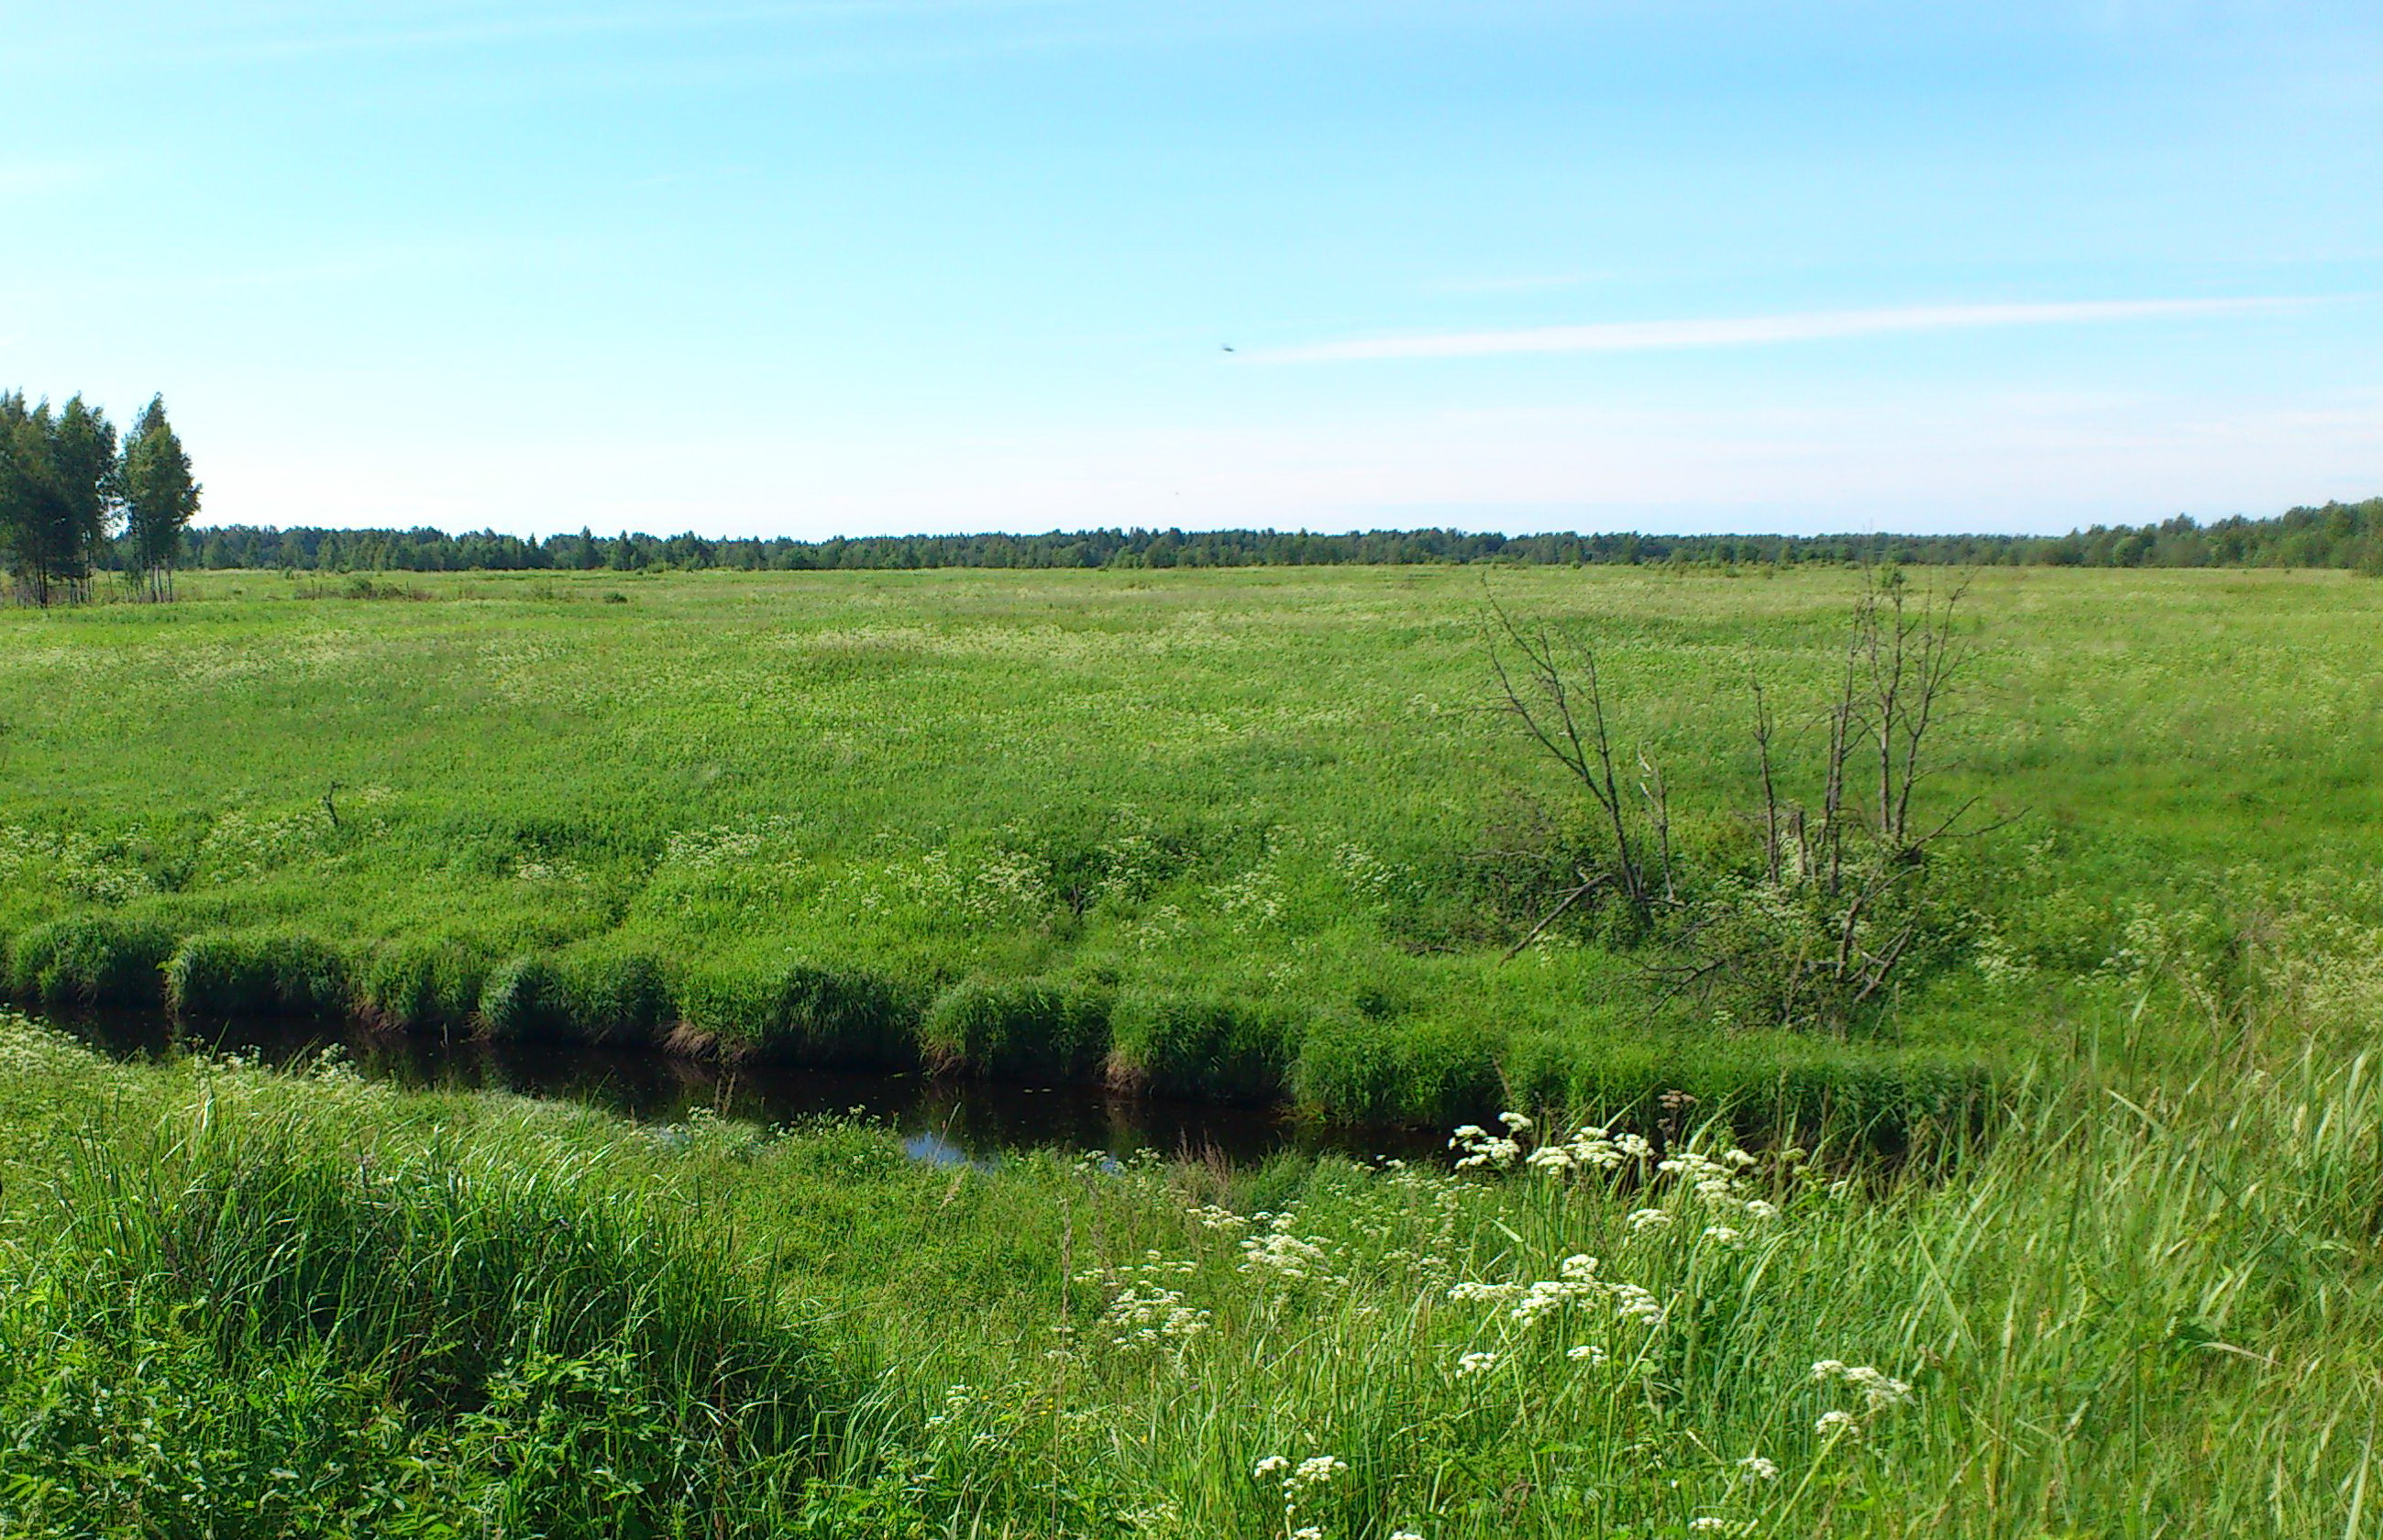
1879	1391
1474	1363
1754	1468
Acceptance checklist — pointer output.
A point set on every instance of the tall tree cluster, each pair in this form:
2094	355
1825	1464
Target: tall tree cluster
67	484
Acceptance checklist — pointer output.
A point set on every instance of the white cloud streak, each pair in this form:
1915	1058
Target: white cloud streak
1820	325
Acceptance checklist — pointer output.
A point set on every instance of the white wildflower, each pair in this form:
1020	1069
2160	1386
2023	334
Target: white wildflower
1552	1294
1754	1468
1484	1293
1515	1121
1268	1466
1314	1471
1879	1391
1579	1265
1474	1363
1721	1235
1588	1353
1649	1219
1837	1424
1634	1303
1285	1256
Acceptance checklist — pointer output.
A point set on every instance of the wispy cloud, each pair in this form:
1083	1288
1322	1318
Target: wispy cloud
1740	331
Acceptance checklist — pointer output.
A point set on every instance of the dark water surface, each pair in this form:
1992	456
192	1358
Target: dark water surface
940	1120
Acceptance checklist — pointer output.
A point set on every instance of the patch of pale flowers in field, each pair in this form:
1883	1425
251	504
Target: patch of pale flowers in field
1421	1274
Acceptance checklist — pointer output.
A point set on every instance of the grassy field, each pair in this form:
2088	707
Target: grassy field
1219	834
2146	1303
1213	834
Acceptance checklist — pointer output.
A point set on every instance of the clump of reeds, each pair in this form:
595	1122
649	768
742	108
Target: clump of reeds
95	959
271	972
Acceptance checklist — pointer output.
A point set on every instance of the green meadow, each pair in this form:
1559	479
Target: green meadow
1245	835
2069	1232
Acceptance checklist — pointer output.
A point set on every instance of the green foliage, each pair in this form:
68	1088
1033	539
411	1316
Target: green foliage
245	1332
1171	1044
160	498
238	1301
1383	1068
269	972
2337	534
1031	1029
92	958
846	1018
594	993
58	485
1264	796
416	983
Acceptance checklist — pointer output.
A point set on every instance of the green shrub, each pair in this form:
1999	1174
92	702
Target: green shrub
91	959
590	995
1019	1030
1366	1069
256	973
418	981
830	1017
441	1346
1182	1045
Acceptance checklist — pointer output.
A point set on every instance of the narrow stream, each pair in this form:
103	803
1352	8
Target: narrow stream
940	1120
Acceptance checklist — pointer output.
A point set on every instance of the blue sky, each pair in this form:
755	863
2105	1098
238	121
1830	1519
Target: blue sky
853	266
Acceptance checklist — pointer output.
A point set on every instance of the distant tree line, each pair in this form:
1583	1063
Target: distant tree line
2337	534
74	500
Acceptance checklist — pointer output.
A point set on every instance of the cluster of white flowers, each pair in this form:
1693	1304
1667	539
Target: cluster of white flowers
1588	1353
1642	1220
1288	1257
1881	1392
1591	1148
1301	1482
1838	1423
1250	901
83	866
1211	1217
723	845
1473	1363
1577	1280
1486	1151
1634	1303
1468	1291
1140	1317
1754	1468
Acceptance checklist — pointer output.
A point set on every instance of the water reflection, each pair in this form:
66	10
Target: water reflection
942	1122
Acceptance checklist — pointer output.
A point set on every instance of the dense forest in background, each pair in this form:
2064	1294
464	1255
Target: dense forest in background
2337	534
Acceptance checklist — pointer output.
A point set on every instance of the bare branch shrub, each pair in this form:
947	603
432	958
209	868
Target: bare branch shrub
1814	931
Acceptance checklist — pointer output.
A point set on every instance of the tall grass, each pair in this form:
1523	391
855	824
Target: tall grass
2141	1297
1268	793
234	1326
